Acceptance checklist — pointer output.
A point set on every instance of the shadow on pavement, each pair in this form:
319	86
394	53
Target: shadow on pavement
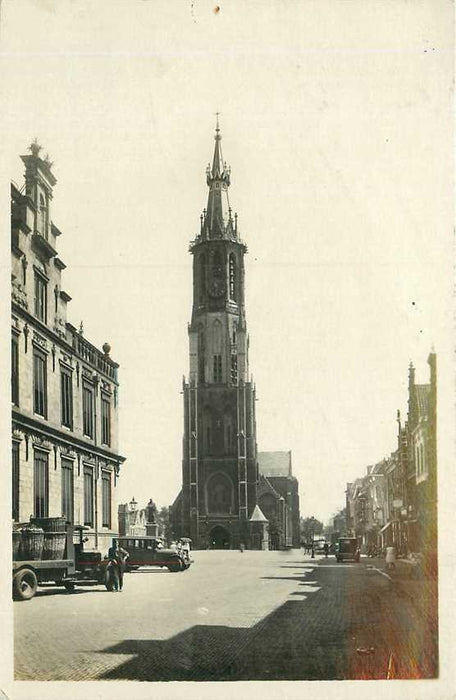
351	628
43	592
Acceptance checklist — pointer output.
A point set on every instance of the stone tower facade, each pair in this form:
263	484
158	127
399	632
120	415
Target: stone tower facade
219	470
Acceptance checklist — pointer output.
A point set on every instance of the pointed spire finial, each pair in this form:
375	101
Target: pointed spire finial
35	147
217	125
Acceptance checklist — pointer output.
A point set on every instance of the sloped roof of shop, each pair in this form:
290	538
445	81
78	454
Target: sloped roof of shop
275	463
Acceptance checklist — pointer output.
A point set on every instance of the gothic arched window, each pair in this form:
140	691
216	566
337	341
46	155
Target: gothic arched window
219	494
207	430
232	277
229	430
217	336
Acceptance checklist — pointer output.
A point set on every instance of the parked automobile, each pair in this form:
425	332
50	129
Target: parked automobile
149	551
319	545
347	548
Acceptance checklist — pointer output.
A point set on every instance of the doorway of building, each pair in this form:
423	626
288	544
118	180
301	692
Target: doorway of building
219	538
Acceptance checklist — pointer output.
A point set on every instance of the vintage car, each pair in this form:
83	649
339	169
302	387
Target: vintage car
347	548
149	551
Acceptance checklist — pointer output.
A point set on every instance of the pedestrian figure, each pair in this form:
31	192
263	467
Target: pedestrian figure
116	566
313	552
326	548
390	558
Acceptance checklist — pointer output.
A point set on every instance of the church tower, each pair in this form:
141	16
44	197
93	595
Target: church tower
219	469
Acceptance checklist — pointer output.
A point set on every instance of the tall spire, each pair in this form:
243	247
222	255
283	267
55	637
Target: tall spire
217	219
217	160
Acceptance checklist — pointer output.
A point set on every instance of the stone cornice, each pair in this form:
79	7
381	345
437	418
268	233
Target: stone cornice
68	440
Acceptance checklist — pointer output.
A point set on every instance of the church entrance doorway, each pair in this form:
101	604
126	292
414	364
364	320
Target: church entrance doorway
219	538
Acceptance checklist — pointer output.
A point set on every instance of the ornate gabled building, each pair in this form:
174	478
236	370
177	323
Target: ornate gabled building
219	469
65	458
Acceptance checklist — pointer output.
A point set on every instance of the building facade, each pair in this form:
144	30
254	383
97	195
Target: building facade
421	498
65	458
395	503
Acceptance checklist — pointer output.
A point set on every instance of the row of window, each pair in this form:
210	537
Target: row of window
41	489
66	396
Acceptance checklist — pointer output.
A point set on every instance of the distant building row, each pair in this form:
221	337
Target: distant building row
395	503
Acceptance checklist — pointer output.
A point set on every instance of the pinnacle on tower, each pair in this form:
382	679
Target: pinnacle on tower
218	222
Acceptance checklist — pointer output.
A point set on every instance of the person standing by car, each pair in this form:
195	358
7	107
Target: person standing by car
326	548
117	557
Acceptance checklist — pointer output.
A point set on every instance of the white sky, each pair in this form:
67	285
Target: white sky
335	118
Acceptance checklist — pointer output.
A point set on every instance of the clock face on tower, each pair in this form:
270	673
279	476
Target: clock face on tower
217	287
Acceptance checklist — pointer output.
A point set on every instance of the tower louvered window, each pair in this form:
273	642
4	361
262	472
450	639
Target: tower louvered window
217	369
234	369
232	278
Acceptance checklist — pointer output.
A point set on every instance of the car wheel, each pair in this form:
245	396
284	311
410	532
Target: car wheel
69	586
25	584
108	582
174	568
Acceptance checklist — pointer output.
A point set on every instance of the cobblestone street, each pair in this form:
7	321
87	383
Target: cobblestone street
232	616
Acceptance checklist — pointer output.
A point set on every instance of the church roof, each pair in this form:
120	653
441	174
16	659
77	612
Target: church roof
265	486
258	516
177	499
275	463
